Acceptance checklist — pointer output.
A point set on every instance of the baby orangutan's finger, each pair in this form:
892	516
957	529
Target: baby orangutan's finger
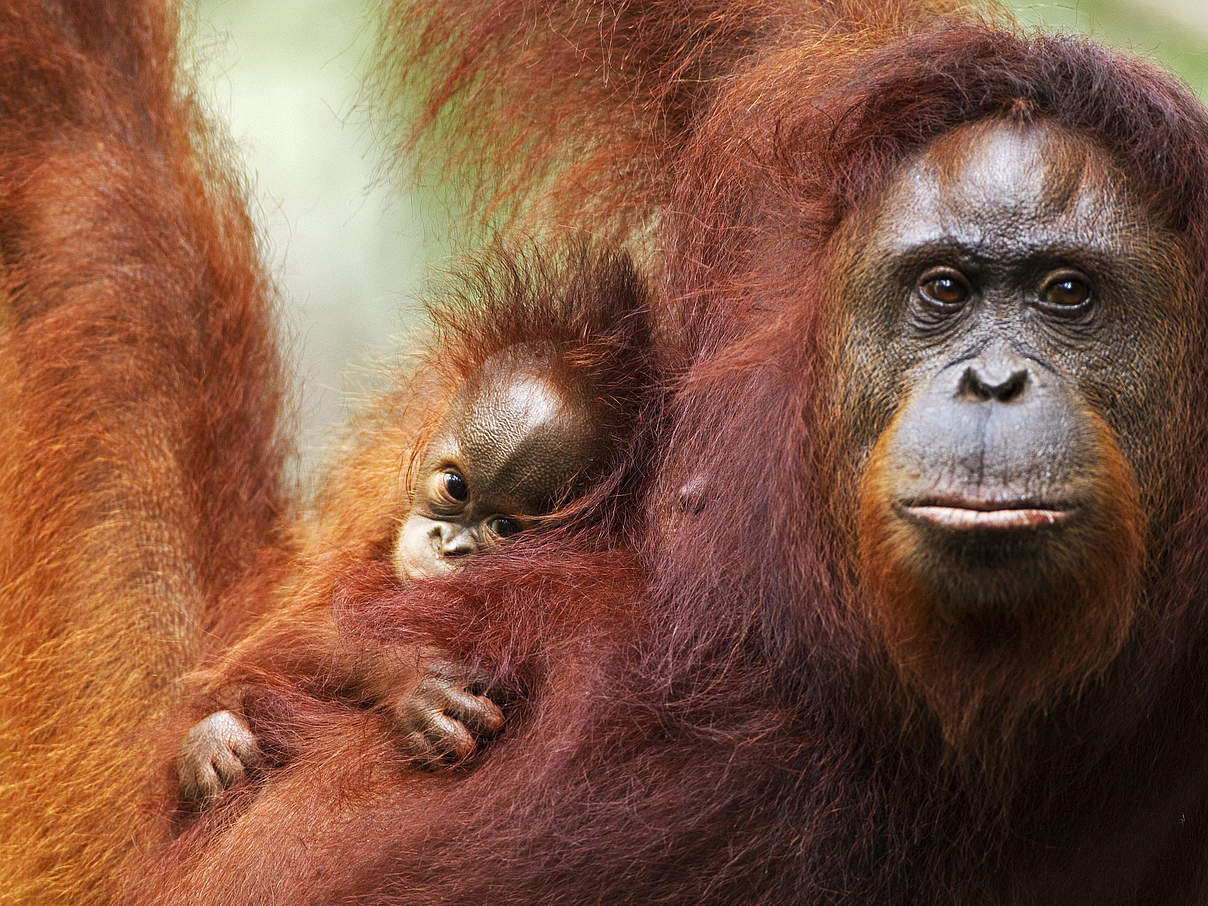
216	755
461	693
480	715
438	741
449	738
443	717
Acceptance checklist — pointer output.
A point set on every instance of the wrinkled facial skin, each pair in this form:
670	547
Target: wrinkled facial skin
1010	299
1010	396
511	446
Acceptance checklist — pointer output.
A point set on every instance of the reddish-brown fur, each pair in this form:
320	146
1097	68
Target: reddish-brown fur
141	466
740	732
591	311
714	717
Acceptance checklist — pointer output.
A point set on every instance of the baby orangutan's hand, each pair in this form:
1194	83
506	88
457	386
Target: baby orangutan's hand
445	714
216	756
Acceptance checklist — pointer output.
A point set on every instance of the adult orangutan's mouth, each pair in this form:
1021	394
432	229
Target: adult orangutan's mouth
968	515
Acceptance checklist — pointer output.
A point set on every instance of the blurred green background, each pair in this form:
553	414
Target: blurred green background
350	251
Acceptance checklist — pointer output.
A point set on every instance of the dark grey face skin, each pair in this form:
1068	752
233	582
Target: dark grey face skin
1005	296
511	446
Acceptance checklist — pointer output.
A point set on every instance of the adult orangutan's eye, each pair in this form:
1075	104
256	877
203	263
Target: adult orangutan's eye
1066	293
944	287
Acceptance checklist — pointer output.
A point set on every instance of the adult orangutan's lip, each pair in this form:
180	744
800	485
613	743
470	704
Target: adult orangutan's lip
972	515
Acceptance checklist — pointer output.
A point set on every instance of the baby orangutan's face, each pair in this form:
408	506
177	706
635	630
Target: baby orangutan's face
511	447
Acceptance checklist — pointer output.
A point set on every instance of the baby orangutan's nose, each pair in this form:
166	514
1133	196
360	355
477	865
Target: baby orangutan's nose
456	542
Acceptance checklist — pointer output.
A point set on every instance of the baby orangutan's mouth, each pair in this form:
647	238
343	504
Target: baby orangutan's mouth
960	514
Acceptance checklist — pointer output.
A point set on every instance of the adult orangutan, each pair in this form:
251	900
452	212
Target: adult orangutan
918	614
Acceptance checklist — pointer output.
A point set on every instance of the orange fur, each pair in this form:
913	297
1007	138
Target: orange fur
590	309
982	680
715	718
141	463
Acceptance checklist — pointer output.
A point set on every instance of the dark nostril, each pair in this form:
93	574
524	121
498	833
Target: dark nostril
458	545
979	384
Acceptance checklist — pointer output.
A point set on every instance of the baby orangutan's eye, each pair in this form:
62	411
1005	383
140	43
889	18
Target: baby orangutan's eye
502	526
454	485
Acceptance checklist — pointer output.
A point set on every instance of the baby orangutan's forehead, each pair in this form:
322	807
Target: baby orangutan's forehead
519	436
506	416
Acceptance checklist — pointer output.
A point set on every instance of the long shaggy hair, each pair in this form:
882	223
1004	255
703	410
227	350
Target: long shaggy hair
713	717
142	462
587	311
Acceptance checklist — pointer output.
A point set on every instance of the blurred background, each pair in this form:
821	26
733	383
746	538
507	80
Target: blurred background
351	252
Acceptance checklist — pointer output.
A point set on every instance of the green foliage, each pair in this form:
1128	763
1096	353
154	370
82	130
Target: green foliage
1173	32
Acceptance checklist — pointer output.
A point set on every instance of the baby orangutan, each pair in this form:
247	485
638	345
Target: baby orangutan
515	443
512	446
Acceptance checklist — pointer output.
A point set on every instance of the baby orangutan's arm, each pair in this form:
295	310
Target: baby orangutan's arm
439	706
